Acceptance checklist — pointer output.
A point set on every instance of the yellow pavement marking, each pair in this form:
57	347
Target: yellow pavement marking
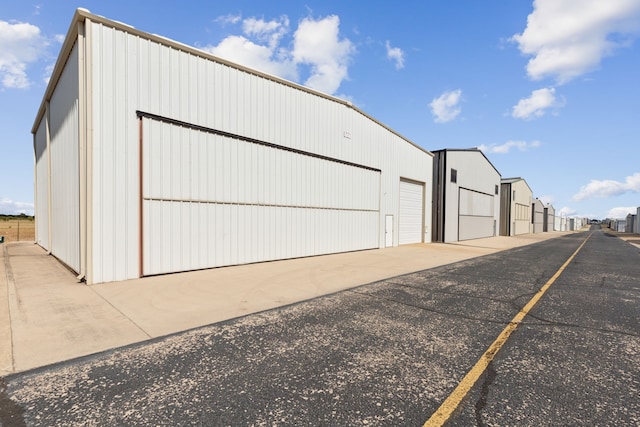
452	402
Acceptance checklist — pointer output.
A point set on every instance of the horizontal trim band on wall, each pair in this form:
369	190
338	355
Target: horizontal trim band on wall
214	202
205	129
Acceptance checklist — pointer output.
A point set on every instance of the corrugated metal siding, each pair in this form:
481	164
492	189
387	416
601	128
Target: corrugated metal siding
538	216
506	210
131	73
65	172
477	217
550	218
42	185
211	200
411	212
521	208
116	75
438	190
475	185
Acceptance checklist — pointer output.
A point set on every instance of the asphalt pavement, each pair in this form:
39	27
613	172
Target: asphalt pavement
386	353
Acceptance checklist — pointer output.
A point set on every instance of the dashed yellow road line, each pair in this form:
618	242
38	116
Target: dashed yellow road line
452	402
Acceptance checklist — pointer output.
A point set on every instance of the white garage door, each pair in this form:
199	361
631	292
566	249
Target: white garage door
212	199
476	215
411	208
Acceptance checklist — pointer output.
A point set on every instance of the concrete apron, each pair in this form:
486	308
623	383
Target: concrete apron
46	316
6	358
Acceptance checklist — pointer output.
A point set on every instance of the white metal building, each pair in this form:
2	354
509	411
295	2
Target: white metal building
538	216
549	218
466	195
155	157
576	224
515	207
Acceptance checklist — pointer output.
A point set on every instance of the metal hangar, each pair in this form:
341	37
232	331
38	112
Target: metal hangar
155	157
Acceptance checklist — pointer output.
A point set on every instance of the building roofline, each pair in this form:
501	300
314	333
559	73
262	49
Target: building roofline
516	179
471	150
81	15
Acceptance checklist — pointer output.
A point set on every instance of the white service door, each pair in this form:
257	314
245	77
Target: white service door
388	231
410	221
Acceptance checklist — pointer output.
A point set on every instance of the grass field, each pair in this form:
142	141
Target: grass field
18	229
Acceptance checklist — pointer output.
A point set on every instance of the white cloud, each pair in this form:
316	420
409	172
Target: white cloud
269	31
10	207
446	107
621	212
395	54
568	38
608	188
536	105
316	45
20	45
228	19
507	146
566	211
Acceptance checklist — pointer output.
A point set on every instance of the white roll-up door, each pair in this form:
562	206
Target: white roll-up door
411	219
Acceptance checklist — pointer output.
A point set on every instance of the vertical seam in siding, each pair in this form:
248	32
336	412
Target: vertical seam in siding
82	160
140	203
88	129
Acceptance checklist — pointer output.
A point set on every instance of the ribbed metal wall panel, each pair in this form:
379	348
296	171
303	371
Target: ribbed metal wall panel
116	73
550	218
475	184
521	208
42	185
212	200
474	203
65	172
477	217
181	236
132	73
186	164
538	216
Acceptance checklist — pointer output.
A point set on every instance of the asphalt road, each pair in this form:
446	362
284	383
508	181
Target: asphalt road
387	353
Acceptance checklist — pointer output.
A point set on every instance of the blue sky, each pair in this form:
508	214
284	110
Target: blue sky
549	90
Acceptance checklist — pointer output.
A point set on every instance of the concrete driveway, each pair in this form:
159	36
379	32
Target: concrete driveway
46	316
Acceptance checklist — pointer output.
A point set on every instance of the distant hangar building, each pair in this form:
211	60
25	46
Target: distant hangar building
155	157
515	207
466	195
538	217
549	218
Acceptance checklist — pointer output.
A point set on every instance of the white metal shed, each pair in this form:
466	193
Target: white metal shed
466	190
515	207
155	157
